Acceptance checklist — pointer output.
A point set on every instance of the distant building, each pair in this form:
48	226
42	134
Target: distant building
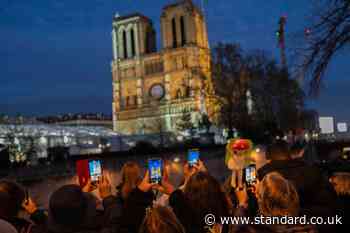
87	119
151	90
87	122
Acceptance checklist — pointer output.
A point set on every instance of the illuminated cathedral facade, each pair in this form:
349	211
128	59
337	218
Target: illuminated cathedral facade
153	89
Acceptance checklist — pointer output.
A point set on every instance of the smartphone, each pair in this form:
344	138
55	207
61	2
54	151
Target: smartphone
155	170
250	175
95	170
193	157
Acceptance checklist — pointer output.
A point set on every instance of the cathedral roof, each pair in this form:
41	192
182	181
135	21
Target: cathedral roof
182	2
119	18
177	3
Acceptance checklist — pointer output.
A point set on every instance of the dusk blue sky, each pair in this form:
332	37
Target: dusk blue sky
55	54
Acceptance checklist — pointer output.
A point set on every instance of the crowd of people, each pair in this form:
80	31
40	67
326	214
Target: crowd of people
285	186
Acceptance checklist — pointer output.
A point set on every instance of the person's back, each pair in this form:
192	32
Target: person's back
278	197
71	210
130	178
315	192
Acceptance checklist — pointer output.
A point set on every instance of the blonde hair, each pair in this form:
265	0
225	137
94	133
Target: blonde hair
277	196
161	219
131	177
341	183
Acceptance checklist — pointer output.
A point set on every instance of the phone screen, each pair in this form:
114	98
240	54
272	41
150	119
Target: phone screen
193	157
250	174
155	170
95	170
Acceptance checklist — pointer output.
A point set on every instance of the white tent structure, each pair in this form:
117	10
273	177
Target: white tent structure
46	136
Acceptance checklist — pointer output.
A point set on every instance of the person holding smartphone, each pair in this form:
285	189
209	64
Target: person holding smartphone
13	199
74	209
142	197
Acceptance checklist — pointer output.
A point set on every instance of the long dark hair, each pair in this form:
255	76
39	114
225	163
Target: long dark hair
161	219
206	196
131	177
12	196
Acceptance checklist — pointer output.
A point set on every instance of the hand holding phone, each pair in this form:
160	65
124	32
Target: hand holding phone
88	171
104	187
155	169
250	175
95	170
193	157
145	184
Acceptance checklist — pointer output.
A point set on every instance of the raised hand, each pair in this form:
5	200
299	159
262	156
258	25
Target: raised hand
200	166
242	197
166	187
88	186
145	184
104	186
29	206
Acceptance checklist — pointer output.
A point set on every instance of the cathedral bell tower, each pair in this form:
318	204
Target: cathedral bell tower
132	36
183	24
152	90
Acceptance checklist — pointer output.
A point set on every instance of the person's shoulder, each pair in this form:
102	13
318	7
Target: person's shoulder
301	166
139	196
267	168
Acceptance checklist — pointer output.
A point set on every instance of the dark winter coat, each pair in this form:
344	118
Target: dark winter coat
96	221
38	223
134	210
317	196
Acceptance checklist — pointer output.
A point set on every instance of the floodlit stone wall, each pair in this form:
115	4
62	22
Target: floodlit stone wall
151	90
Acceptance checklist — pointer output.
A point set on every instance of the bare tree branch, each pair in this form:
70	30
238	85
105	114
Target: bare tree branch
328	36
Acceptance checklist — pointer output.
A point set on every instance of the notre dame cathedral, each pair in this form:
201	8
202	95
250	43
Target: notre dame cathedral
153	89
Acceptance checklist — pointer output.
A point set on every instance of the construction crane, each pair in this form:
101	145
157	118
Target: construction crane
280	33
